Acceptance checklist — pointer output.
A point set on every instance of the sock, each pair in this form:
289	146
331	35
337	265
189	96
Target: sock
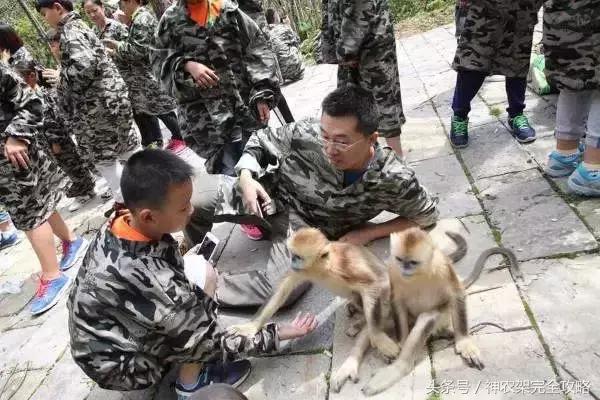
591	167
191	386
567	152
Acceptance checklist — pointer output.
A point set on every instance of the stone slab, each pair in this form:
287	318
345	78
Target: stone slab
424	138
242	254
508	357
563	296
590	211
65	381
10	343
519	205
295	377
493	151
13	303
444	177
20	385
98	393
411	387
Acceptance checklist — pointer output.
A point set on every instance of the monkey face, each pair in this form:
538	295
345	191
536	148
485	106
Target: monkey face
411	251
407	267
305	246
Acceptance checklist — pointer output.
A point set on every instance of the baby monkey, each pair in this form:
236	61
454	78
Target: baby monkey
346	270
427	290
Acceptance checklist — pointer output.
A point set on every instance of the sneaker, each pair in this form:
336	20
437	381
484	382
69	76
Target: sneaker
560	165
232	373
176	146
9	238
80	201
459	132
585	182
521	129
252	231
48	293
72	251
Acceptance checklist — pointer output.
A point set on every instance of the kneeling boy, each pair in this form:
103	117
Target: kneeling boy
132	312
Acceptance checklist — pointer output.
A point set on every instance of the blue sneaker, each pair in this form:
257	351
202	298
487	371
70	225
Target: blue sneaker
9	238
232	373
48	293
72	251
585	182
560	165
459	132
521	129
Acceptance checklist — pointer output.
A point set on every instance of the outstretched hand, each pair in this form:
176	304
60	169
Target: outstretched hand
302	325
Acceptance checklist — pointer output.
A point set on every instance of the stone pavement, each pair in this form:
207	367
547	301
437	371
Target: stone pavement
543	341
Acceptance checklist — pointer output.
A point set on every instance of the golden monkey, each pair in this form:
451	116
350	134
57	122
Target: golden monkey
346	270
427	290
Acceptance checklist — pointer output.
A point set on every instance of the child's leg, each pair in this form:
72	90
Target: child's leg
591	155
42	241
515	92
572	110
4	221
61	229
468	84
170	121
188	373
111	171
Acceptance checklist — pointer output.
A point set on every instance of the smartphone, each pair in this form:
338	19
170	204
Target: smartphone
208	247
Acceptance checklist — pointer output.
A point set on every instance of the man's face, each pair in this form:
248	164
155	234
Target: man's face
345	146
53	14
174	215
128	7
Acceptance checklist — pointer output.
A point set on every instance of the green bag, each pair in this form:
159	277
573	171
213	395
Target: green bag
537	75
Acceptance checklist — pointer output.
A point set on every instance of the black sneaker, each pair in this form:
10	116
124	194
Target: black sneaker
233	373
521	129
459	132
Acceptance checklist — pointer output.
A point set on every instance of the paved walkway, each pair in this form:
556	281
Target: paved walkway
544	343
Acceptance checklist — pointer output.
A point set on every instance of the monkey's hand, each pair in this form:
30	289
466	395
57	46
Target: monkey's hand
385	345
348	370
386	377
249	329
469	352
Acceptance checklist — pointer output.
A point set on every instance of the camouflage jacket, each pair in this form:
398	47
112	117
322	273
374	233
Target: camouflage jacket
292	166
56	129
132	312
134	51
286	43
21	56
21	110
93	93
351	27
254	9
496	37
572	43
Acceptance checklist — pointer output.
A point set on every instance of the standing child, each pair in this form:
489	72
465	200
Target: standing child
30	185
132	284
91	89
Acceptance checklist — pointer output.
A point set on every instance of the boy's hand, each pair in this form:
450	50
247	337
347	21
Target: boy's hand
302	325
202	75
56	149
51	76
253	193
15	151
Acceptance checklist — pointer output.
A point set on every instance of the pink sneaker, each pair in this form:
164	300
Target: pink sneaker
252	231
176	146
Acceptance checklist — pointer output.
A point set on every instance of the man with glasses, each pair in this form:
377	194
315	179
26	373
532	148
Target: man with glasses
331	174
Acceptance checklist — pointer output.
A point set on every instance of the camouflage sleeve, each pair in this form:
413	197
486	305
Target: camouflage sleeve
136	47
265	148
356	19
78	61
194	335
27	106
259	61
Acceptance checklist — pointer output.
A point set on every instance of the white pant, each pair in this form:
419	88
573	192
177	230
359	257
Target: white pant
112	171
577	114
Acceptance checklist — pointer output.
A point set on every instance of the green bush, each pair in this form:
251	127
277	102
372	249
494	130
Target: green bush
36	45
402	9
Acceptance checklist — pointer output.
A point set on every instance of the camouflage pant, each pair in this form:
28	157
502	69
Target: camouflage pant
378	73
76	169
251	288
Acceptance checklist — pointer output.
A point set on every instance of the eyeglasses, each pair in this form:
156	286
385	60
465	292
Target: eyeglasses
337	146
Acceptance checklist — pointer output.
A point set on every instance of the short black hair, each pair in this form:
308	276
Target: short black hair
270	15
218	391
147	176
96	2
66	4
9	38
353	101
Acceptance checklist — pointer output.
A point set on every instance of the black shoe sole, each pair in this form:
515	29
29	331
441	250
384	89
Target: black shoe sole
528	140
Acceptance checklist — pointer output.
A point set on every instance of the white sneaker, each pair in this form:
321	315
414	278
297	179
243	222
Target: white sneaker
79	202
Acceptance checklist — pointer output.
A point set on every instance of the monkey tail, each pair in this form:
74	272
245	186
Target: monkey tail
513	264
461	246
